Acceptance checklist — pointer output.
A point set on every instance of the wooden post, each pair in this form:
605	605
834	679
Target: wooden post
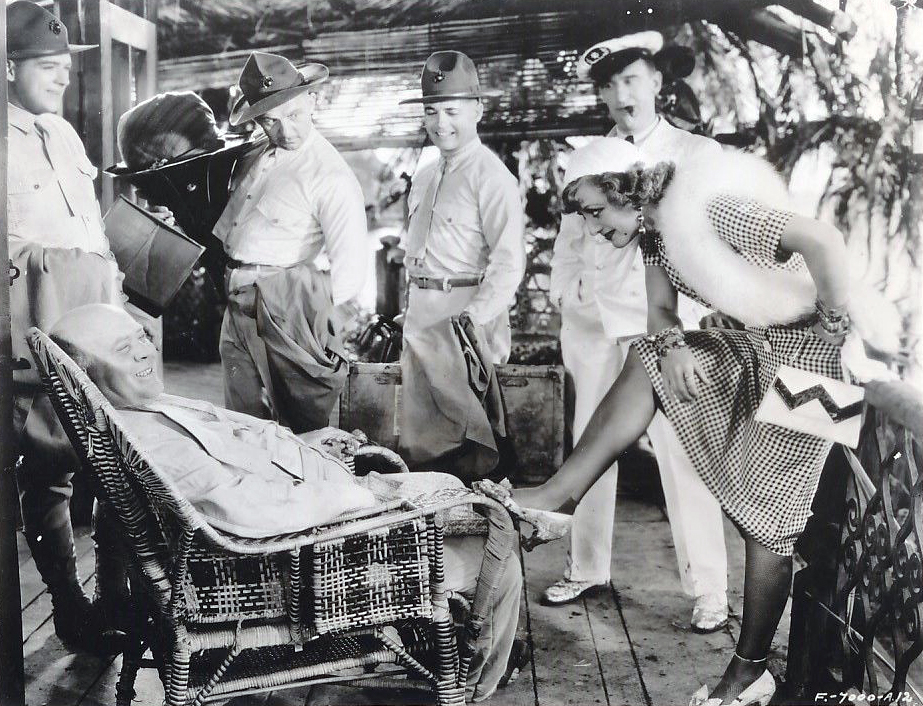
12	678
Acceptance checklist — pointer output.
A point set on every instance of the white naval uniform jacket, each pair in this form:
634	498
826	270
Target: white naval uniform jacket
593	281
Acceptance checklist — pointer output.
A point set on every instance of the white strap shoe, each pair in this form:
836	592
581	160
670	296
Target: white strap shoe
566	591
759	692
710	613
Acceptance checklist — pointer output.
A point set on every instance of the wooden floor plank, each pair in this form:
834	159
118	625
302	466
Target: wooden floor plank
102	691
522	691
621	680
36	600
672	659
566	667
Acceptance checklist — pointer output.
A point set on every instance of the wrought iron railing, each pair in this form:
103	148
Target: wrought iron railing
857	613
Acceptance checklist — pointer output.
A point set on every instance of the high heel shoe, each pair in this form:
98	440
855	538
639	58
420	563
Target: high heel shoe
759	692
548	526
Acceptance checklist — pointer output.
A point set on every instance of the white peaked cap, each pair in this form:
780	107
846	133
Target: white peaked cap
647	42
607	154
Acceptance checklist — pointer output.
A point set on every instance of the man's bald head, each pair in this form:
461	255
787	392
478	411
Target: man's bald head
115	351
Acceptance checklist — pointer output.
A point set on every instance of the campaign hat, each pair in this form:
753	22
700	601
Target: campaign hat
269	80
32	31
449	75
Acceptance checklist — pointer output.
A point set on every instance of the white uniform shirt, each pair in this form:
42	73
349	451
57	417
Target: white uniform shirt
292	205
592	279
475	226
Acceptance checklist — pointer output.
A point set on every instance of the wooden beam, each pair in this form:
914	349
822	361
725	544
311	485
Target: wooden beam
765	28
12	678
128	28
100	122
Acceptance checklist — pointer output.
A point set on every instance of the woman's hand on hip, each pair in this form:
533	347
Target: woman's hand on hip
682	374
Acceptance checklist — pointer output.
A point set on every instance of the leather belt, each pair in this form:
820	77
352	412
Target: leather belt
445	284
233	264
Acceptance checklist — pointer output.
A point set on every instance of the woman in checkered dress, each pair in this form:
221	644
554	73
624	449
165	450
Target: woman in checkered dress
720	232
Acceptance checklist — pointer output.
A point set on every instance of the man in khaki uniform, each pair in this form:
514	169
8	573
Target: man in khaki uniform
297	199
62	257
465	257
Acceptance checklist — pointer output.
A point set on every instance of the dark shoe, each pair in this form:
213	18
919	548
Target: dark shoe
520	654
80	625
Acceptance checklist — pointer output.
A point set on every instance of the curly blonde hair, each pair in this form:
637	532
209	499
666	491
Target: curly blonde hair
635	187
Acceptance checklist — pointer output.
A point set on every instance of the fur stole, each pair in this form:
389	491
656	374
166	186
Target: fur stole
752	294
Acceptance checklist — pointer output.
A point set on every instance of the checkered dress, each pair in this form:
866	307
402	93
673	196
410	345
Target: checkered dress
764	476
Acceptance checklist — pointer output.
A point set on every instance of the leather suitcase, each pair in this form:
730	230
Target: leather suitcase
534	396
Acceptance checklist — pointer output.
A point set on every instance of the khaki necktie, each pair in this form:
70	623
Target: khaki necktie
423	219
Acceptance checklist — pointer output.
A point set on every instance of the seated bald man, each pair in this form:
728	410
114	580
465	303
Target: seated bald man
251	476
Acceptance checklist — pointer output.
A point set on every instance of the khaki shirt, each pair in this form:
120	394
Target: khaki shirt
248	476
292	205
51	200
473	226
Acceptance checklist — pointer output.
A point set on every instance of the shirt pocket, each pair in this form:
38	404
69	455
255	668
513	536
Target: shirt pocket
461	216
27	191
79	190
283	215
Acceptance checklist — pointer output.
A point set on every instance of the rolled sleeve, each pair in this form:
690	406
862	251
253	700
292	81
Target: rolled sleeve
503	226
341	213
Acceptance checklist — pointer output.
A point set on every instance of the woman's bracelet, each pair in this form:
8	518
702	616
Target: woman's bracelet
667	340
834	320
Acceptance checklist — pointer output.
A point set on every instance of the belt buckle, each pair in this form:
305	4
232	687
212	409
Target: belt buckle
446	285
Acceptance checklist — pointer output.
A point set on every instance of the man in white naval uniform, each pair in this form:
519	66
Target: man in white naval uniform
601	292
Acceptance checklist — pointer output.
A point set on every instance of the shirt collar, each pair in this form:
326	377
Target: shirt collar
20	118
640	137
462	155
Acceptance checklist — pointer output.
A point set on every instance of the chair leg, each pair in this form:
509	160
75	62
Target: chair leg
447	694
179	678
448	691
131	663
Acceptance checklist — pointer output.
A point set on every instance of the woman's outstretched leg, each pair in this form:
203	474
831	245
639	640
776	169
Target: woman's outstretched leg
767	580
619	420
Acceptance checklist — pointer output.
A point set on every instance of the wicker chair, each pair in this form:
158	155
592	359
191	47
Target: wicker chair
225	616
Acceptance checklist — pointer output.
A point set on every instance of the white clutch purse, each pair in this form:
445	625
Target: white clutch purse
813	404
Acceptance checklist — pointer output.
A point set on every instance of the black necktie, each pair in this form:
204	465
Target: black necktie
630	138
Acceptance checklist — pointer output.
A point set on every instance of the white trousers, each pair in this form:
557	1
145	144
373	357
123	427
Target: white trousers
594	362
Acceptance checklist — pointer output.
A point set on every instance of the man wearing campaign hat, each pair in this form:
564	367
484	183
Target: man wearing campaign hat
465	257
294	201
62	257
601	292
